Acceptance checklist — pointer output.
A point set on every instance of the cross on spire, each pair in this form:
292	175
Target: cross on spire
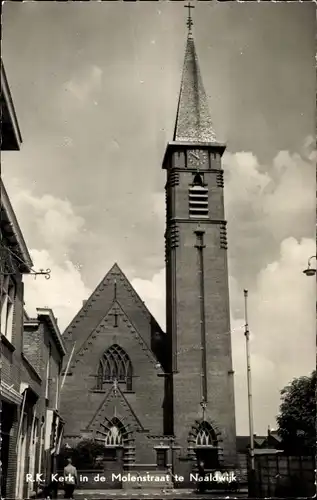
189	19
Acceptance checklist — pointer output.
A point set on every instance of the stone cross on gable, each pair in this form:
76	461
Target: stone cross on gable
115	315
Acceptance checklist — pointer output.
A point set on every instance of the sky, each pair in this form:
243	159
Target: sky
95	87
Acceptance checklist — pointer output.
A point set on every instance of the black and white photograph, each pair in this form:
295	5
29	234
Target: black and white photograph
158	250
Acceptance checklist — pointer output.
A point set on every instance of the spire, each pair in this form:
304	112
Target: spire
193	122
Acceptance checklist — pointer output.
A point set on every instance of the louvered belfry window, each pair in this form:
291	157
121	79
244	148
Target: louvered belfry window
115	365
198	199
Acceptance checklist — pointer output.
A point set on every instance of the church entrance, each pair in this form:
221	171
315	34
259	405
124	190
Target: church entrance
113	454
209	456
206	447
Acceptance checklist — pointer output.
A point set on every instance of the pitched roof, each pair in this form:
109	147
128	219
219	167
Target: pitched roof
115	307
114	272
11	135
193	121
13	233
116	394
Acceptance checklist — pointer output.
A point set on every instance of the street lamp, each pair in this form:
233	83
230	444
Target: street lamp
310	271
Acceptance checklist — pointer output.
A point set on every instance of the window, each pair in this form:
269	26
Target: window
206	435
115	365
114	433
8	293
161	454
198	198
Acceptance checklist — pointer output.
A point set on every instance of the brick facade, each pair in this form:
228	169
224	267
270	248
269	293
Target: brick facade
42	357
115	315
14	262
183	304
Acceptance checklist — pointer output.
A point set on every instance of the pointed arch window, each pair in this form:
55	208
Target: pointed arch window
206	436
114	433
115	365
198	198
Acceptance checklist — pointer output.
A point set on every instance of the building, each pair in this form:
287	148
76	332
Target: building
31	350
164	398
15	262
41	424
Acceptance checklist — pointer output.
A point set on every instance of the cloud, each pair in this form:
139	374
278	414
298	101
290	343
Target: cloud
270	210
271	214
63	292
53	223
56	231
83	86
282	323
153	293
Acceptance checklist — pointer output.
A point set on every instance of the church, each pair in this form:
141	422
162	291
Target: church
149	396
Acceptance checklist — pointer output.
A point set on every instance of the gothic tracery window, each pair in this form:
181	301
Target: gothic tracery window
114	434
206	435
115	365
113	437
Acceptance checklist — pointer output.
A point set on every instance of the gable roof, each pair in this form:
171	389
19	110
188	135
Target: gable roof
116	306
114	393
11	135
11	230
95	309
47	315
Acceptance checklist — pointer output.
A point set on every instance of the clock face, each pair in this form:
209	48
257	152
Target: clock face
197	158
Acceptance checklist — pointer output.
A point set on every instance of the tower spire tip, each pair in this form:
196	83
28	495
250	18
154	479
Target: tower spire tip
189	22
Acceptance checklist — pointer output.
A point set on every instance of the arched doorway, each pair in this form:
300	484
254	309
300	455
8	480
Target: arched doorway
205	445
114	437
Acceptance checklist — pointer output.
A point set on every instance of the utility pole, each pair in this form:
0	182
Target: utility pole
250	408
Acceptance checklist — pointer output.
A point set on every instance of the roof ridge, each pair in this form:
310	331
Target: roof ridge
99	325
149	350
100	287
114	391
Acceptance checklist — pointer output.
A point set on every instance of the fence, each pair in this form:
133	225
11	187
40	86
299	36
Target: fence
280	475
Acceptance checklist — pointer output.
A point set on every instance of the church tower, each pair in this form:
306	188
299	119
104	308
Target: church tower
200	387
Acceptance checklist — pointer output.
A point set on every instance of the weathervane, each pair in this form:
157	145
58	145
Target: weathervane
189	19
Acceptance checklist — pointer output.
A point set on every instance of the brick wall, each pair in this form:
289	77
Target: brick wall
32	346
38	343
285	476
185	309
11	375
80	403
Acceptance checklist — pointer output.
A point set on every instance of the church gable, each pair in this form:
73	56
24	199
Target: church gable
119	323
92	311
135	308
115	405
114	288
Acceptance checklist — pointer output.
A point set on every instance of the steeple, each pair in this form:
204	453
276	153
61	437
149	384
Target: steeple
193	122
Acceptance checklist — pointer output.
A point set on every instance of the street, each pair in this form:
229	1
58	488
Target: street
150	494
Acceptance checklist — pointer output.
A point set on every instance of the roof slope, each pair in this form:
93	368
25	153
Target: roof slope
193	121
